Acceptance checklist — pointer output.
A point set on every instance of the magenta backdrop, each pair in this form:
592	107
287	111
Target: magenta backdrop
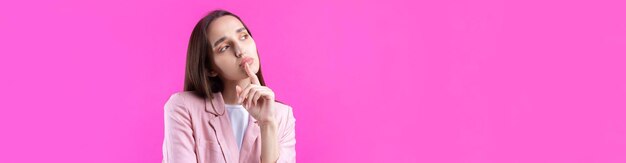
386	81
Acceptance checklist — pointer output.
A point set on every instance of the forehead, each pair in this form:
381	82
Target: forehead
223	26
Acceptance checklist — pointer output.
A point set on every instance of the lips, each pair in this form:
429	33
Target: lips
246	60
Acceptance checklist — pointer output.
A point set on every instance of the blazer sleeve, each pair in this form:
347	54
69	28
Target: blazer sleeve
287	139
178	142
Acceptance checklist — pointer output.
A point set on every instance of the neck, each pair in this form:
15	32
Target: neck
230	92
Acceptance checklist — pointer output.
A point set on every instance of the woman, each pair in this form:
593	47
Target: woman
226	113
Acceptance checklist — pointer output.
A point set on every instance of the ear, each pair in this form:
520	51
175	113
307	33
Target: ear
212	74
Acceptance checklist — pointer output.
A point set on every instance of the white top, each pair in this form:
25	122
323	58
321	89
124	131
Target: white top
239	121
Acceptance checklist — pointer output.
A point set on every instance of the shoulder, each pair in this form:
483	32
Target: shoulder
182	100
282	108
284	113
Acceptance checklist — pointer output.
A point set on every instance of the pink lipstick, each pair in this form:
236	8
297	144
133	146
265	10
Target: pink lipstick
246	60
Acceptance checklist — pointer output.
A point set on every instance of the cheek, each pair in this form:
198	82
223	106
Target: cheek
251	46
224	63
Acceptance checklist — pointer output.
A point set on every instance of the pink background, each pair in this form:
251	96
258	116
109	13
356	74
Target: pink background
385	81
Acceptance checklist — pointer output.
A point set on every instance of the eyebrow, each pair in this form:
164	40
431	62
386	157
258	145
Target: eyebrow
224	38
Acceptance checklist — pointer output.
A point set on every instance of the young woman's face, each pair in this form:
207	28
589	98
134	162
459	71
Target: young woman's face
232	44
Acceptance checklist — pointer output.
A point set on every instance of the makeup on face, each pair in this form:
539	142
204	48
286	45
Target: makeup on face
246	60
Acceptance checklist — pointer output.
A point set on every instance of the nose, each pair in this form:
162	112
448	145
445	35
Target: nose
238	50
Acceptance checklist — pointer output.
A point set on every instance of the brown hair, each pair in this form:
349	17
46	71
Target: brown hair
200	59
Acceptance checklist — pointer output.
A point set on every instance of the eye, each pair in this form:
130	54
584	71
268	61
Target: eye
224	48
244	37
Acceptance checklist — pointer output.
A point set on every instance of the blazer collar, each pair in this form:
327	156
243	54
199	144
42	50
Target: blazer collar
216	105
251	143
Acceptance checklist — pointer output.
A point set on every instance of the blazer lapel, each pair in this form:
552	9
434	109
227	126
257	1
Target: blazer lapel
249	139
221	125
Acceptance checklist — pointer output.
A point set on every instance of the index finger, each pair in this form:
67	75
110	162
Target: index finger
253	78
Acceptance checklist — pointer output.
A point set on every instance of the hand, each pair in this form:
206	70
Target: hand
257	99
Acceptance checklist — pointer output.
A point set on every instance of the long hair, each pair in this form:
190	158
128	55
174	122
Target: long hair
200	59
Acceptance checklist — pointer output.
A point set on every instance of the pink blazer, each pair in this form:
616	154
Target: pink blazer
198	132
